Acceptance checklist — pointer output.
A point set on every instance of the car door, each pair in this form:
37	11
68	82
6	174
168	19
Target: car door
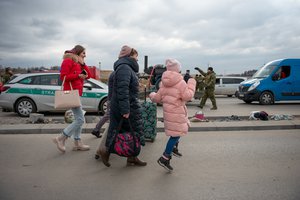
45	86
283	85
92	95
296	81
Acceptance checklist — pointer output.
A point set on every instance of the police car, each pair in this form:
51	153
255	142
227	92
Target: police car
34	92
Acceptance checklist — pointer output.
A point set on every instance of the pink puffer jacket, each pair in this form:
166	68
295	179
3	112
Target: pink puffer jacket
174	92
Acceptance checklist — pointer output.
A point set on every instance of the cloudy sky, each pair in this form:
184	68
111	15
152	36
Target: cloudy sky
230	35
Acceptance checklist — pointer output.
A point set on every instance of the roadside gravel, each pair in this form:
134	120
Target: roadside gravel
53	118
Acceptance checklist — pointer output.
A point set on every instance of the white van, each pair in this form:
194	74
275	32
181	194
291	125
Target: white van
225	85
228	85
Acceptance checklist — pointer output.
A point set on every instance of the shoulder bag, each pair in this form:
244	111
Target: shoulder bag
66	99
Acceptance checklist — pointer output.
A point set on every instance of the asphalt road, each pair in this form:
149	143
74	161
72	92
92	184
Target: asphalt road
241	165
227	106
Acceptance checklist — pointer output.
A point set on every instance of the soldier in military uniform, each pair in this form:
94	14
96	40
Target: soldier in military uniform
209	85
200	84
8	74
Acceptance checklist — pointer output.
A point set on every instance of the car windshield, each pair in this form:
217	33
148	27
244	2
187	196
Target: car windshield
264	72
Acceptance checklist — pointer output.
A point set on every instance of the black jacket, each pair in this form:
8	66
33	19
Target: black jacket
124	98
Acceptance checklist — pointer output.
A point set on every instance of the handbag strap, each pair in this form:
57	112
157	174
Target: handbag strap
121	123
62	85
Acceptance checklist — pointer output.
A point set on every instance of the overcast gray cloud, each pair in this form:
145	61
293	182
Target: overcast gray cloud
230	35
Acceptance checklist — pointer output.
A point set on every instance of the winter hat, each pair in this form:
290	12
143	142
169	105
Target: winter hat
173	65
125	51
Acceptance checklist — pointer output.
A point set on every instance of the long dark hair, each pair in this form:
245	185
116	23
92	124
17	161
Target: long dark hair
78	49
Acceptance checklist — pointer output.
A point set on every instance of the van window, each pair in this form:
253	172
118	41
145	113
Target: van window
217	81
282	72
232	80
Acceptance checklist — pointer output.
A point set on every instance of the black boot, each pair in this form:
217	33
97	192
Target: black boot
175	151
135	161
165	163
96	133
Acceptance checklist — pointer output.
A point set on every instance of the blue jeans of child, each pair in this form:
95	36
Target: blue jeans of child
170	145
75	127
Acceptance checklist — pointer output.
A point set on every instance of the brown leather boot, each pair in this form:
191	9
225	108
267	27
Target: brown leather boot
105	157
135	161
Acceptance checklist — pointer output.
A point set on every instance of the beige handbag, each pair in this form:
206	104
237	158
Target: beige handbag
66	99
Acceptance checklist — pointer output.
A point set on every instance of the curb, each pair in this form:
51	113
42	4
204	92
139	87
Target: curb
195	127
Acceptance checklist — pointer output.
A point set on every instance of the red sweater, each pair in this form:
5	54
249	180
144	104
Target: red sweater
71	69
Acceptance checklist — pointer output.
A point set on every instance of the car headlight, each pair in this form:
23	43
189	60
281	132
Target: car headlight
254	85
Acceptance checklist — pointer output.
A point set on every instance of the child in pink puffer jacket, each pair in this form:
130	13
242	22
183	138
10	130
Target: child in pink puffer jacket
174	92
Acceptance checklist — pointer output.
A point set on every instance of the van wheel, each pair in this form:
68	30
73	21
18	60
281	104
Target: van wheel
266	98
103	106
25	106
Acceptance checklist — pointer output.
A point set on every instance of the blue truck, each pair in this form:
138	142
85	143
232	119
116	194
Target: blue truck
278	80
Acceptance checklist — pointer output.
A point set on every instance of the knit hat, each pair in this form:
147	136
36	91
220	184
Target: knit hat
173	65
125	51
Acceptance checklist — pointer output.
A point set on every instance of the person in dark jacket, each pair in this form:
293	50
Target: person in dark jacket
124	101
187	76
105	118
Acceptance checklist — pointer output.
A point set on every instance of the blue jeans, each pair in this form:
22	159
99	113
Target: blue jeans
75	127
170	145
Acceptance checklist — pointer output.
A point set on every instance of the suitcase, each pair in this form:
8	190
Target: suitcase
149	115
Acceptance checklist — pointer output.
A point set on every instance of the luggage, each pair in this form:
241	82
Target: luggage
149	115
125	144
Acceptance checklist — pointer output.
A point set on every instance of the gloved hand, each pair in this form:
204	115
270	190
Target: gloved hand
197	68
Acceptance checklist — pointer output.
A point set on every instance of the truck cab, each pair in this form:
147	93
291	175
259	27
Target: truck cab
278	80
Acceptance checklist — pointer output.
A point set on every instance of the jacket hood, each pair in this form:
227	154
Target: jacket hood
171	78
74	57
127	61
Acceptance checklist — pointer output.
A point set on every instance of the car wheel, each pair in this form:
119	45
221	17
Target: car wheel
103	106
247	101
266	98
25	106
230	95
